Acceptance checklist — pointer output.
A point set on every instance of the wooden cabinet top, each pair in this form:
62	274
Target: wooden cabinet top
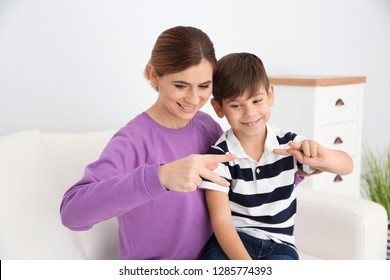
316	80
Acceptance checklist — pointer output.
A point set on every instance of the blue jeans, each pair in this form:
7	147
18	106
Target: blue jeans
258	249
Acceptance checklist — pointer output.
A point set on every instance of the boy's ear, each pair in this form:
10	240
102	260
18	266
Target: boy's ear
271	95
217	108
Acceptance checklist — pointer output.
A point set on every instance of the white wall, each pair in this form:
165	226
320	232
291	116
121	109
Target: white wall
76	65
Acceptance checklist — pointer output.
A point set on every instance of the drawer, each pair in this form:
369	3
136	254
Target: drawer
335	104
342	136
329	182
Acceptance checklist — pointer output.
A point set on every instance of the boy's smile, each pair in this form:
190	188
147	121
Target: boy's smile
251	123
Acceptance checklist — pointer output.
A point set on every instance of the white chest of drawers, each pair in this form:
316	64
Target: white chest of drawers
328	110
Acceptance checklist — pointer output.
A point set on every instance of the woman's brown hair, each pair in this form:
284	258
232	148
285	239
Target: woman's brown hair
179	48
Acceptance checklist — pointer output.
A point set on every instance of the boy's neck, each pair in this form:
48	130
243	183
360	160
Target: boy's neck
253	145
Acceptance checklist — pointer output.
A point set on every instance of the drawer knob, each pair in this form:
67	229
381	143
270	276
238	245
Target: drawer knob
339	102
338	141
337	179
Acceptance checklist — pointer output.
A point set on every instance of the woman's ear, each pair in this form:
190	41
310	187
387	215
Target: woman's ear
153	76
217	108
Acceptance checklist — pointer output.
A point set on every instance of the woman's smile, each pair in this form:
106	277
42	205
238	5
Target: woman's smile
187	108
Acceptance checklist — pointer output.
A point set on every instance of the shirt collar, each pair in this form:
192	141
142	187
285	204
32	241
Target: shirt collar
271	143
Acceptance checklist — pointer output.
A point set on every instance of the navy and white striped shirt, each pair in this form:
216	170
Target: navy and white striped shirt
261	194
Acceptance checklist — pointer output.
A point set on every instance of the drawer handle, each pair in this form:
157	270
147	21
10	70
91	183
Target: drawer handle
338	141
339	102
337	179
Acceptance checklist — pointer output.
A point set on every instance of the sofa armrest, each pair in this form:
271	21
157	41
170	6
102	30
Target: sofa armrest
330	226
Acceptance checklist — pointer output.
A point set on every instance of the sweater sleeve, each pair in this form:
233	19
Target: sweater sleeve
120	180
221	170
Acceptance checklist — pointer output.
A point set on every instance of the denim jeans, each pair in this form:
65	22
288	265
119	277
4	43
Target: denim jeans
258	249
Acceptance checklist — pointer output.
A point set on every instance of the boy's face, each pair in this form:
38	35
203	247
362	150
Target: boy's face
247	116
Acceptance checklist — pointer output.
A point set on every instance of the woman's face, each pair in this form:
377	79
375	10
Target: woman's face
182	94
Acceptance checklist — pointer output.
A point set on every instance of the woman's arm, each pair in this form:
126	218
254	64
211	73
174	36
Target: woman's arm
225	232
94	199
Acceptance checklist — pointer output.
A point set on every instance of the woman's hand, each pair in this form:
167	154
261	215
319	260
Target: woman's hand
185	175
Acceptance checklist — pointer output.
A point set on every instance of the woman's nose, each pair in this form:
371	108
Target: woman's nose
192	96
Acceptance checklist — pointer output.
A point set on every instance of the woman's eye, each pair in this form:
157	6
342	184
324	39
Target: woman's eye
204	86
179	86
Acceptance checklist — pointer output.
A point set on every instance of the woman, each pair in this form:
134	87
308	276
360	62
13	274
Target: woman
148	174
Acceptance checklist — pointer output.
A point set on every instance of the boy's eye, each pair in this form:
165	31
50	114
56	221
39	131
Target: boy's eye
235	106
257	101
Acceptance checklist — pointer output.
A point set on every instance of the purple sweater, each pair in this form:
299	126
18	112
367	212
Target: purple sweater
154	223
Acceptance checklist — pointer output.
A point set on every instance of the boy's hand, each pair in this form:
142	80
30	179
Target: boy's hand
300	172
311	153
307	152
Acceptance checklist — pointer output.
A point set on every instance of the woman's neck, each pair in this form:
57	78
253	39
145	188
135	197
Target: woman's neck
165	118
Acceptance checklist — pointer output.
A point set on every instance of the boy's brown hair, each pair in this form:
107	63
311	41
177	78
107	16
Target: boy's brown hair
236	73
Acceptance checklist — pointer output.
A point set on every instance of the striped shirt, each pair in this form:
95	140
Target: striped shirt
261	194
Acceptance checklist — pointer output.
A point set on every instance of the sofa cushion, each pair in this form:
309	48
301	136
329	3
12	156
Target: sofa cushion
29	203
70	153
325	221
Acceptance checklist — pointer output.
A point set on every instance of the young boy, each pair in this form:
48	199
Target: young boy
254	217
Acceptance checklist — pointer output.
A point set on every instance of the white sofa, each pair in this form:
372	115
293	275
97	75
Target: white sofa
36	169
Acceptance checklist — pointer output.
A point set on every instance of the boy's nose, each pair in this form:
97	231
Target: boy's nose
249	112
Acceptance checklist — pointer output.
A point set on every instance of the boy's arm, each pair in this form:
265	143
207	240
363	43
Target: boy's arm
225	232
311	153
